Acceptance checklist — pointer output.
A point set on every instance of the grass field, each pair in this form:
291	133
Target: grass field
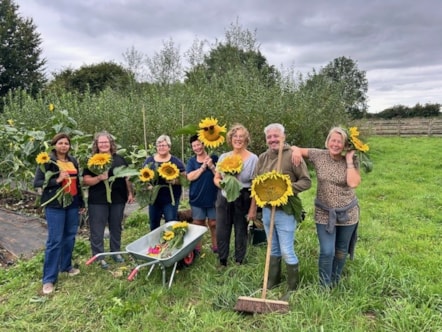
393	284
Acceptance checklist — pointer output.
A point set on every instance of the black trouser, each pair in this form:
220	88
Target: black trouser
100	216
228	215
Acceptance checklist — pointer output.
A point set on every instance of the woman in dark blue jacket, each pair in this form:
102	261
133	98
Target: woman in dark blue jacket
63	202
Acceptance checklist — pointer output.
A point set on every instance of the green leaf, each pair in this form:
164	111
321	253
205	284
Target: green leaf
190	129
293	207
145	196
231	186
122	172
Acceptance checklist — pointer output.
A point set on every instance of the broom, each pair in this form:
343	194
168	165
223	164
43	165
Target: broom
263	305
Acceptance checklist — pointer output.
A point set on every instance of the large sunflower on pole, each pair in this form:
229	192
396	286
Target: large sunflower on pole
211	134
271	188
275	189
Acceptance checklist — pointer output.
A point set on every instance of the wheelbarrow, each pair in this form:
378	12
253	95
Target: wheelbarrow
139	251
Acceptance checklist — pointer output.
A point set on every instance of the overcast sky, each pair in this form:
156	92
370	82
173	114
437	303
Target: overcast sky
397	42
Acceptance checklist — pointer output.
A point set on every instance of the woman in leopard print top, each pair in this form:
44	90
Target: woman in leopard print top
336	204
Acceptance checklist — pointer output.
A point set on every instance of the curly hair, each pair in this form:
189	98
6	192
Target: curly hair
113	145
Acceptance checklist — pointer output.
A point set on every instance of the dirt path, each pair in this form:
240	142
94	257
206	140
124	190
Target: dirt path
20	235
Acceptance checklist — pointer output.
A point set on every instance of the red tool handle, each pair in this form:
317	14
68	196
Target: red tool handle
132	274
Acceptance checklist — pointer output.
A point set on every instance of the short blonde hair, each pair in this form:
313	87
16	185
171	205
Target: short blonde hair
339	131
234	129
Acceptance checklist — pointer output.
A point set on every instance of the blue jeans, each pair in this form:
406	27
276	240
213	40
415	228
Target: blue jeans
283	237
156	211
62	229
333	251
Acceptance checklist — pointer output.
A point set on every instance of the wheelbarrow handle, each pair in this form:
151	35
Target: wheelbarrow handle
132	274
91	260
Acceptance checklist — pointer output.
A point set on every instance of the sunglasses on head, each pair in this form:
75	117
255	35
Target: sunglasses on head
209	128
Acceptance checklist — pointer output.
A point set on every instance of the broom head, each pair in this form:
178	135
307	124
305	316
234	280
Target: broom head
260	306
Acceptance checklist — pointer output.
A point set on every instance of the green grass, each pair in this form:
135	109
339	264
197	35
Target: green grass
392	285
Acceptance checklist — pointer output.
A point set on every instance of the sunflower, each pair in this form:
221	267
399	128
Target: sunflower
355	142
231	164
51	107
99	160
11	122
98	164
168	171
361	148
146	174
271	188
42	158
210	133
168	235
359	145
182	224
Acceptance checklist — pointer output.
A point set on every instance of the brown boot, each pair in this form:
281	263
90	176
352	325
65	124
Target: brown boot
274	272
292	280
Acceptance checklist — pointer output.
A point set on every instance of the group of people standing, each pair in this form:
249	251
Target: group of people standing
336	205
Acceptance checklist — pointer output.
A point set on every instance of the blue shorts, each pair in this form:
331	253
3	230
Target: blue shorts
203	213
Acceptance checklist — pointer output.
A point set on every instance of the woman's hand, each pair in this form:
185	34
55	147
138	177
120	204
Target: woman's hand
296	155
103	176
64	175
349	157
130	198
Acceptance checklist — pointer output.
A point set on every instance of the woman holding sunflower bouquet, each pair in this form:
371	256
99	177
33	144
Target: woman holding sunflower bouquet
57	174
336	204
234	167
106	203
170	169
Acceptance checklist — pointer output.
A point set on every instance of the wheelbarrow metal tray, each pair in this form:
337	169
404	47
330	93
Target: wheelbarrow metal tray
139	248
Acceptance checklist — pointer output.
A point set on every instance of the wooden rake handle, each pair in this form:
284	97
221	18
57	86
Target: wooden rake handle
272	225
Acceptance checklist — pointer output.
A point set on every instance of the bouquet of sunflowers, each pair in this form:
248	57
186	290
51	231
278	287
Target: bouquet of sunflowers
100	163
62	194
361	148
230	166
147	187
172	238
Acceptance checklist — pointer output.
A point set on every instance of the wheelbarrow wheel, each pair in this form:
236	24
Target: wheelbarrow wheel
188	260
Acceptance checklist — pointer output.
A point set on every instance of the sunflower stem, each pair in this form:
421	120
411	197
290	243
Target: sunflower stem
171	194
108	191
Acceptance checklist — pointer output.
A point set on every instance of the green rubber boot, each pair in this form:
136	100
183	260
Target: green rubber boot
274	272
292	280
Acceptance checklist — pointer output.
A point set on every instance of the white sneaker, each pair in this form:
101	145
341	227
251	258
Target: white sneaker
73	272
48	288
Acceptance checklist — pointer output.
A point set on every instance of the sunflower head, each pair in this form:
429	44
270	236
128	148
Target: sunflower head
210	133
231	164
359	145
42	158
354	141
146	174
51	107
99	162
182	224
271	188
353	131
168	235
168	171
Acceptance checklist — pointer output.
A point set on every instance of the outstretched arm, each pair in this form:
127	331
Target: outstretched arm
297	154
